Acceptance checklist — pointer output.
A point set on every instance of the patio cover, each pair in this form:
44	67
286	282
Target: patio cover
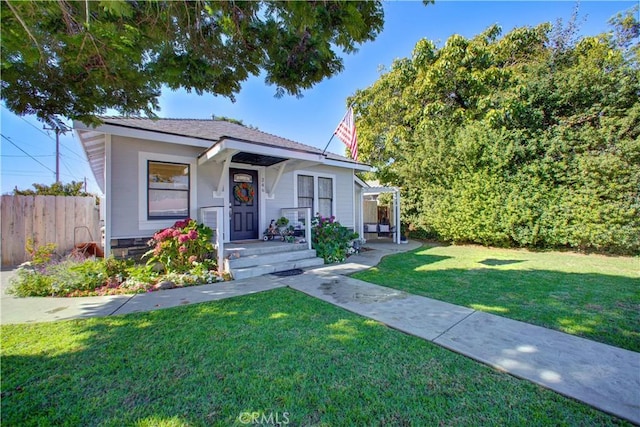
375	191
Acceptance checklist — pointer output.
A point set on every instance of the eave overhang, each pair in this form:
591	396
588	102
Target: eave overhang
245	150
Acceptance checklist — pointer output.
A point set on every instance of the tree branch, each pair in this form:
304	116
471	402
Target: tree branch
19	18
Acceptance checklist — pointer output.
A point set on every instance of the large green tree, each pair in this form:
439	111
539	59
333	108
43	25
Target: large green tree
530	139
78	58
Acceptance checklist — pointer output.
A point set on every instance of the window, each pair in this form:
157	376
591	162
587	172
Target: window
305	192
167	190
316	193
325	196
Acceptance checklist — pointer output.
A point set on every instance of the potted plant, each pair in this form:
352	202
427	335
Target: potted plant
404	233
282	224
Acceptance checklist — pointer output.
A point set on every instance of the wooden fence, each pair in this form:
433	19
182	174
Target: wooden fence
62	220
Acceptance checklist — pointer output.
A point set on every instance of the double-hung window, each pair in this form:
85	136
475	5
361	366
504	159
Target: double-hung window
316	192
325	196
167	190
305	191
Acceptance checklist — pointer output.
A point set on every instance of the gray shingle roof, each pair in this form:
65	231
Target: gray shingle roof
214	130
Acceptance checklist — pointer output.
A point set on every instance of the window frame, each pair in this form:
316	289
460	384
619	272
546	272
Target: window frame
187	190
316	200
318	197
313	189
145	224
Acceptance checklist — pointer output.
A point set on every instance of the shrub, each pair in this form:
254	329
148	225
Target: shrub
330	239
117	268
40	254
72	276
139	278
60	278
30	283
178	247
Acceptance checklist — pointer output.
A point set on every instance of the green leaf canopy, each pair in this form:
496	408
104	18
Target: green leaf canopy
77	59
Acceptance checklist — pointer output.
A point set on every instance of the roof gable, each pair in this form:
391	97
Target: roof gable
215	137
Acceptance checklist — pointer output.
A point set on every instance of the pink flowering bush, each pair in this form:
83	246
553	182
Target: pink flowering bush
330	239
177	248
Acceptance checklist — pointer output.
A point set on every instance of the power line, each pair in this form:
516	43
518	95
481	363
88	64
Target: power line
28	155
24	173
37	128
67	168
22	155
74	153
63	130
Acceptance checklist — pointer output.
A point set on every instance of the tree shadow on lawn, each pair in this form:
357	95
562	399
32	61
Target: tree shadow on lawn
605	308
492	262
274	352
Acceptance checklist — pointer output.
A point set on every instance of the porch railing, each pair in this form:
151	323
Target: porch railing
212	218
300	220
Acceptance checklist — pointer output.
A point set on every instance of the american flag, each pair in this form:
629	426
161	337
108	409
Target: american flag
346	131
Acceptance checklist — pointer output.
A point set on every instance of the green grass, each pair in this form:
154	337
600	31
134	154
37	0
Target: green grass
275	352
593	296
280	353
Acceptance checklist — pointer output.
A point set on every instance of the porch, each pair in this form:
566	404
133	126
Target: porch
286	249
275	256
258	257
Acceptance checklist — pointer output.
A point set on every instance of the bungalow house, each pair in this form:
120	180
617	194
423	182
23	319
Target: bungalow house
231	177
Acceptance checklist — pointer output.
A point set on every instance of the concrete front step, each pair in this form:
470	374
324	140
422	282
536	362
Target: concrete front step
259	270
239	250
272	258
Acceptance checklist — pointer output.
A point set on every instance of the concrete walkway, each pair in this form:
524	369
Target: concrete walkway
600	375
37	309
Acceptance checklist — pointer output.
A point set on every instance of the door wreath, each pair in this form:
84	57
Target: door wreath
244	192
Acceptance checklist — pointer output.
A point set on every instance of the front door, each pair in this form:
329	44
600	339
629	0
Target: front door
244	188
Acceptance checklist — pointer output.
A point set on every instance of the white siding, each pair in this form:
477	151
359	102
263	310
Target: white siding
125	199
343	198
208	177
283	196
344	192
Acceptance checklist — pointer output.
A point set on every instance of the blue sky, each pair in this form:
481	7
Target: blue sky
312	118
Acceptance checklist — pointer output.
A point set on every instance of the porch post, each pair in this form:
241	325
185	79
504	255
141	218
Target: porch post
361	219
219	238
107	195
307	227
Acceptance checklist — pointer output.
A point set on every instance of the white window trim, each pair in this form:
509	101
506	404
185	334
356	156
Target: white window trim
156	224
315	176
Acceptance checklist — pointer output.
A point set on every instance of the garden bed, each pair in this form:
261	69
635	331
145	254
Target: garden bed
181	255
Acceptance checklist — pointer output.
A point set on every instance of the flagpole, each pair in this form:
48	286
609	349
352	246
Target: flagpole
333	134
327	146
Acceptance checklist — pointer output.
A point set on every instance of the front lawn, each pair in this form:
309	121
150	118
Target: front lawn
593	296
279	354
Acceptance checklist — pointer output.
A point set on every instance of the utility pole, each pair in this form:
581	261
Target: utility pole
57	154
57	130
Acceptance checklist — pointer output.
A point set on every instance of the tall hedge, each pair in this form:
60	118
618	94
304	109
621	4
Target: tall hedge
527	140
